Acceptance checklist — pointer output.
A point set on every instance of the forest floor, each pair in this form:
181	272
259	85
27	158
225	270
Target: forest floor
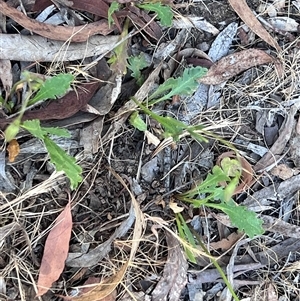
127	231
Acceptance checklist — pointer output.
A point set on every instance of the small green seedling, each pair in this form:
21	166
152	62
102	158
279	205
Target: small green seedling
136	64
212	193
49	89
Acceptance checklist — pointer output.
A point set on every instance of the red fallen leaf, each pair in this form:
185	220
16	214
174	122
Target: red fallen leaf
234	64
56	251
54	32
67	106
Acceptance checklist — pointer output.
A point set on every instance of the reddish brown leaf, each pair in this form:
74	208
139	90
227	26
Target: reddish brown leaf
144	21
56	251
13	149
234	64
245	13
61	33
67	106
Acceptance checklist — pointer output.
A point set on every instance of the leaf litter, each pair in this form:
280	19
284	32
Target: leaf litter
104	210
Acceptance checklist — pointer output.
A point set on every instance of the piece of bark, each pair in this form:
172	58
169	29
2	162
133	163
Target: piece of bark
17	47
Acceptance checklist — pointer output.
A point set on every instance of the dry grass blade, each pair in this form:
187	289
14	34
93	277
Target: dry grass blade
245	13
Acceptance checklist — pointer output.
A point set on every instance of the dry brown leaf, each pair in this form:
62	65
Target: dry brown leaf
104	289
245	13
13	149
174	276
56	251
61	33
226	243
174	206
234	64
283	171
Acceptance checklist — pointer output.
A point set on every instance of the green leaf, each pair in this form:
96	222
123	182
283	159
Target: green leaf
185	85
34	128
53	87
240	217
173	128
64	162
114	6
61	160
136	121
186	234
12	130
231	167
57	132
136	64
209	185
164	13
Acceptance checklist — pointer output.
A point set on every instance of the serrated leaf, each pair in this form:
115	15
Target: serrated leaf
34	128
53	87
64	162
184	85
240	217
136	121
164	13
114	6
136	64
209	185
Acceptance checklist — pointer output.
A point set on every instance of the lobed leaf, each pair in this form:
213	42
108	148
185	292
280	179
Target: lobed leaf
64	162
136	64
240	217
53	87
61	160
164	13
184	85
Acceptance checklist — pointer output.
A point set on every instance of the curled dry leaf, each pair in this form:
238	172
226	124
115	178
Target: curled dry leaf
104	289
245	13
56	251
61	33
234	64
13	149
